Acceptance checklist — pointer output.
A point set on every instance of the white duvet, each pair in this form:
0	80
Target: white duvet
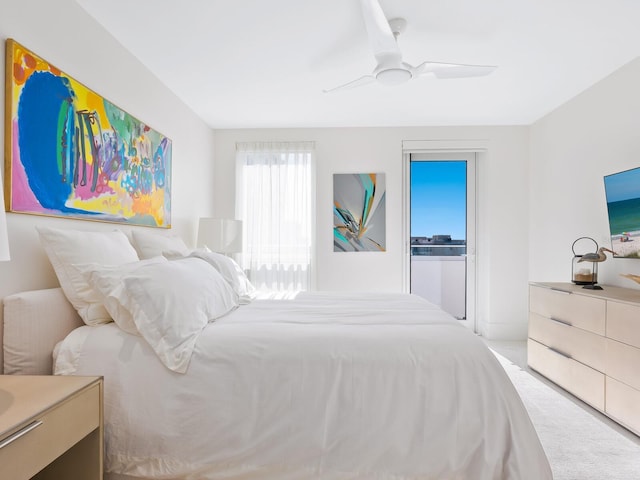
323	386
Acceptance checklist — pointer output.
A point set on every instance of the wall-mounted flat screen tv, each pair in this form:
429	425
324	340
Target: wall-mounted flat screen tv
622	191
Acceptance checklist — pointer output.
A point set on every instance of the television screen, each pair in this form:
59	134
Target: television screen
622	191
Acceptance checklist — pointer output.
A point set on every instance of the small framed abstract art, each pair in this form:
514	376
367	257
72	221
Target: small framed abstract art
71	153
359	212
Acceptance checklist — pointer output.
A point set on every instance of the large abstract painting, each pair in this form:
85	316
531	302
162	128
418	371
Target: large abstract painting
359	209
69	152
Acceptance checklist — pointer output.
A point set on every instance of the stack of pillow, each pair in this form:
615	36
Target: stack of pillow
150	285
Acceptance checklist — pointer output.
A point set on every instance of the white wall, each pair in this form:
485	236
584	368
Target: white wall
503	206
62	33
594	134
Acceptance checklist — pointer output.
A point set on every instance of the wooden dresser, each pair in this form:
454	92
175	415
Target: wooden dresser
51	428
588	342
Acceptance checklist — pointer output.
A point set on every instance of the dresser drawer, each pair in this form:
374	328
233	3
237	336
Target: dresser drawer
575	377
622	403
62	426
587	313
623	363
581	345
623	323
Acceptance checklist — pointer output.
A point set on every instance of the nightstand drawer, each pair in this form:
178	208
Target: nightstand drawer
581	380
584	312
62	426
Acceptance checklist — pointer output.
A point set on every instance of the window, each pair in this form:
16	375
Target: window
274	200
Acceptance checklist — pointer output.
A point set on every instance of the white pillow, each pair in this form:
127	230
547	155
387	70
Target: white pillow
66	248
109	278
231	272
149	245
169	303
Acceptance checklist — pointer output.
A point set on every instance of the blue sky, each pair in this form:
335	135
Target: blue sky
438	199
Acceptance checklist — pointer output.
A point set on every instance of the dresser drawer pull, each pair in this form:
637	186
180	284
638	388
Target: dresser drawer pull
559	290
12	438
562	354
563	322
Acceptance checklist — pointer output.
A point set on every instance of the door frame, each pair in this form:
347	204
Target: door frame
430	150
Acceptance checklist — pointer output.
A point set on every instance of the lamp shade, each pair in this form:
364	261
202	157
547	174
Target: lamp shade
220	235
4	237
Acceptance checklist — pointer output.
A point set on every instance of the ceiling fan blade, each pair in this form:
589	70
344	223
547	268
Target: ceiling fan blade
453	70
383	42
364	80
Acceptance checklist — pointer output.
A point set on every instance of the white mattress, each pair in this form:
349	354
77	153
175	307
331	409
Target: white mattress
324	386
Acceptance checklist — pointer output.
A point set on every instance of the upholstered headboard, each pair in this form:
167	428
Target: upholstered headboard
34	322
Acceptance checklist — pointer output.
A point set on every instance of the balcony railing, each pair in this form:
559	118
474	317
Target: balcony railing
438	250
441	279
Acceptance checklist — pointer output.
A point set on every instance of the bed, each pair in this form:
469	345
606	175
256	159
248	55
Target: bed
312	386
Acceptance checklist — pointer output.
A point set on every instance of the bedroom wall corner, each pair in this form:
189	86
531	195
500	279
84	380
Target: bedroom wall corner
54	31
503	235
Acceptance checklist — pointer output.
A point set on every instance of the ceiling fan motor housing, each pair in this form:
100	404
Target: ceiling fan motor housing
393	76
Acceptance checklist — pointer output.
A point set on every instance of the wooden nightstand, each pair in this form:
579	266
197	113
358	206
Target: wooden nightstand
51	428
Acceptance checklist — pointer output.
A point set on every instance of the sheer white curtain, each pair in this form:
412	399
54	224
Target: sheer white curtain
275	201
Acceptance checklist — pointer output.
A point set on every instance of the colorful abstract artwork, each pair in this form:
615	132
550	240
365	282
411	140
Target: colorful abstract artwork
69	152
359	212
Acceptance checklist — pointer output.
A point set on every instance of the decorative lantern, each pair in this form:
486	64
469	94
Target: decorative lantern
584	272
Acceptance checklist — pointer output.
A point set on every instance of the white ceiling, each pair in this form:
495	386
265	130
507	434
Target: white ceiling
265	63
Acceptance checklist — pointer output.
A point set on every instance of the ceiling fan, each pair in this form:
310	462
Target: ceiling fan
390	69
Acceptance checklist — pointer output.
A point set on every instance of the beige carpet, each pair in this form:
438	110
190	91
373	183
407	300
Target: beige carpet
579	444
